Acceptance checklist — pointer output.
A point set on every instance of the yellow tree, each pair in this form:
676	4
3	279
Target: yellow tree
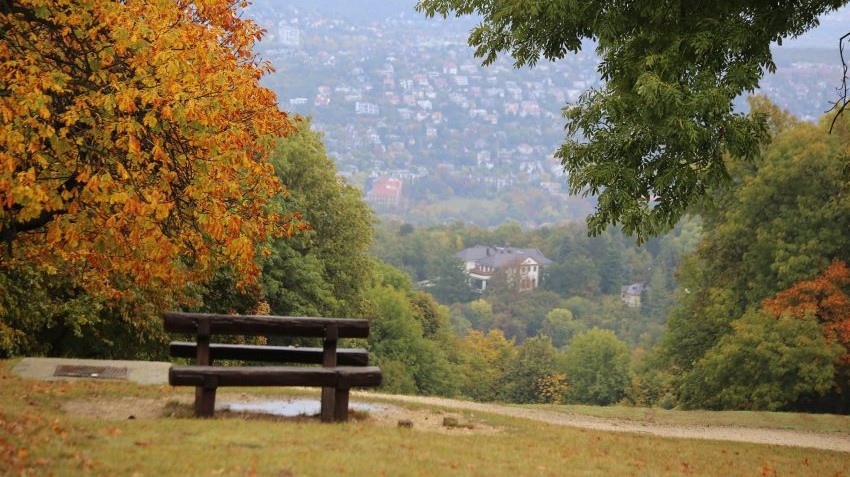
134	141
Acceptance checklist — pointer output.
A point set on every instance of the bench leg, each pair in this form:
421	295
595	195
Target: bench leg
328	398
205	399
341	407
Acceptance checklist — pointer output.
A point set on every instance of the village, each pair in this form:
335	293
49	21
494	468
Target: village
414	119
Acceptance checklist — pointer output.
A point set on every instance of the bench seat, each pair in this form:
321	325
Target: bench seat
214	376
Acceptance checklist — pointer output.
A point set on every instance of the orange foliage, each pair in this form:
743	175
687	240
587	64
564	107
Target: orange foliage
134	140
825	297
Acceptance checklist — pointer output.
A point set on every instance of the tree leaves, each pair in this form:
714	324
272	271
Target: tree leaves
766	363
134	140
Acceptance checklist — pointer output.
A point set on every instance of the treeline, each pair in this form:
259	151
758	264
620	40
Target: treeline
573	340
762	319
419	353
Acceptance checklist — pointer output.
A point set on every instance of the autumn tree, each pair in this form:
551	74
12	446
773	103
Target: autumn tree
134	142
651	140
825	298
486	360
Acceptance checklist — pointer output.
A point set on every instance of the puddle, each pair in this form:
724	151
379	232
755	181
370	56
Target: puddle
297	407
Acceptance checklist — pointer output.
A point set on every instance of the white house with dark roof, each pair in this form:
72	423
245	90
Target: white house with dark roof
522	264
630	294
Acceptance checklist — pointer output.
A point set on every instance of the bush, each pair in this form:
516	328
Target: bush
764	364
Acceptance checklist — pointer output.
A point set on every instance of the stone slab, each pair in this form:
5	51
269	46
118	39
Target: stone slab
141	372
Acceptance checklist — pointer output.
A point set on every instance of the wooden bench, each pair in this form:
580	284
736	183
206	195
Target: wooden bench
341	369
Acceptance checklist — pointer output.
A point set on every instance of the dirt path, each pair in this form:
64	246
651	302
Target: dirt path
816	440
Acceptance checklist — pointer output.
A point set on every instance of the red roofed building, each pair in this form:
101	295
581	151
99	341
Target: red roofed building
385	191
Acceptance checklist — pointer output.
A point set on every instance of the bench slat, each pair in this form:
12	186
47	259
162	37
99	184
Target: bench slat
265	325
275	354
341	376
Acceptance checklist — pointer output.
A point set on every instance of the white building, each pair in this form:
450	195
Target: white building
523	266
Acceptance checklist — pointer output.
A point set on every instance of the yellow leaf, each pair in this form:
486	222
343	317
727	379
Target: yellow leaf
133	144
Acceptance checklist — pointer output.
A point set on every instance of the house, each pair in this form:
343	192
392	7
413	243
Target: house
523	264
630	294
385	191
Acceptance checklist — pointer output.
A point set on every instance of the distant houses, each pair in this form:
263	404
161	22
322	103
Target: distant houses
523	266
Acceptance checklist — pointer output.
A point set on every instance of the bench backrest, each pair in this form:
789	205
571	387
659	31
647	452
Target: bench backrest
271	354
265	325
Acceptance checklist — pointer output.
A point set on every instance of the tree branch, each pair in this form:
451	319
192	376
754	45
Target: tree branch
840	104
12	228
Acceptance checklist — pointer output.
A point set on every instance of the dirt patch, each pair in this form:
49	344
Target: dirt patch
427	420
181	406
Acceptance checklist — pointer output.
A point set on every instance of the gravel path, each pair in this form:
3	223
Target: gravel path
816	440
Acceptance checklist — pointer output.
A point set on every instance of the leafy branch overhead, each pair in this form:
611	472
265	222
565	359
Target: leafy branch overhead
650	140
134	139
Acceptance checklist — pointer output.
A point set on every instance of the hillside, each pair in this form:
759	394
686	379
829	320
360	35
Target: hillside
397	94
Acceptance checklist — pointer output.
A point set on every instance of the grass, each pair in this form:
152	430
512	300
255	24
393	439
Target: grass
753	419
38	438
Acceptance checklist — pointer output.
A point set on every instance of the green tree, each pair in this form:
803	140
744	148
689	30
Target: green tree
652	140
766	363
397	337
560	326
50	314
576	275
480	315
598	368
611	273
449	280
324	271
521	314
526	379
433	317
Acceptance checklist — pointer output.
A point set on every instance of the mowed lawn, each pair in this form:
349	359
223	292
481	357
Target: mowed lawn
38	437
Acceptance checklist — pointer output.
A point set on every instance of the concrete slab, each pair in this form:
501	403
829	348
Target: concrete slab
142	372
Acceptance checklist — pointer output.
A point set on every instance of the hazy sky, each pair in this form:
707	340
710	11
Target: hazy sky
832	27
